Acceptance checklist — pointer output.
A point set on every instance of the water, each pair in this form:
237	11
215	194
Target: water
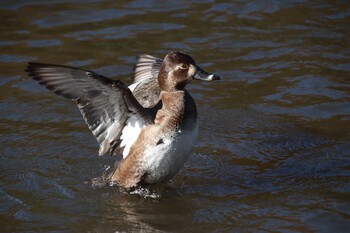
273	151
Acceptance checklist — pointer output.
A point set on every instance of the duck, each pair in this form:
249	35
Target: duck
152	123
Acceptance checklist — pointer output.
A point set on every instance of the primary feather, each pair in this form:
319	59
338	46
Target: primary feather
105	104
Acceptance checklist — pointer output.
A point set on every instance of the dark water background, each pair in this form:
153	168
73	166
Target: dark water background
273	153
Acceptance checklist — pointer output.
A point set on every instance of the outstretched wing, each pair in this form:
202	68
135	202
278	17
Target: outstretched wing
147	67
105	104
145	87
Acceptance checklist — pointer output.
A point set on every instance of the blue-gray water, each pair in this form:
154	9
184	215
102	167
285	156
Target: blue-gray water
273	153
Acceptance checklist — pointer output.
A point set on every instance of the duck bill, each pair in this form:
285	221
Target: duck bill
205	76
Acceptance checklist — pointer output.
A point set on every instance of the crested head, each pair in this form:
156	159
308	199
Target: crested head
178	69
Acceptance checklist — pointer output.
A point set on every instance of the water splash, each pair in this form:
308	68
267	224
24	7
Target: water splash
142	191
102	180
146	192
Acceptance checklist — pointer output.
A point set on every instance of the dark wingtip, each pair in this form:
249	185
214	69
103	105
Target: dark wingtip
215	77
30	69
33	70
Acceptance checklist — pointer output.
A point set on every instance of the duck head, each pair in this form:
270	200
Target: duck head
178	69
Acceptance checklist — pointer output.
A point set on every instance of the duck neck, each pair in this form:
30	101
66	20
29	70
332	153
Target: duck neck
173	108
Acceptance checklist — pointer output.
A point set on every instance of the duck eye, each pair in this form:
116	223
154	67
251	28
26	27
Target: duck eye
183	66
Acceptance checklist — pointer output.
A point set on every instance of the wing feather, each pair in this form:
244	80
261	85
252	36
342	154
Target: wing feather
145	88
147	67
104	103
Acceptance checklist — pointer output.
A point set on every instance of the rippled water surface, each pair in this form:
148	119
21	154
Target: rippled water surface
273	153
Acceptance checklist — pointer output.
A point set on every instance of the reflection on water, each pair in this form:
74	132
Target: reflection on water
273	151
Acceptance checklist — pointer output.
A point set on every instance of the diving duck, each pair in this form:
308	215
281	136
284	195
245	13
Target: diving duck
153	123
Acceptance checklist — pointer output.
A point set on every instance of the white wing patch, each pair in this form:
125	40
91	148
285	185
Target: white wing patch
133	86
130	133
131	130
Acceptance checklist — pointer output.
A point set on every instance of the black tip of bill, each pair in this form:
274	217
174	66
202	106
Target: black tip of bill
205	76
213	77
